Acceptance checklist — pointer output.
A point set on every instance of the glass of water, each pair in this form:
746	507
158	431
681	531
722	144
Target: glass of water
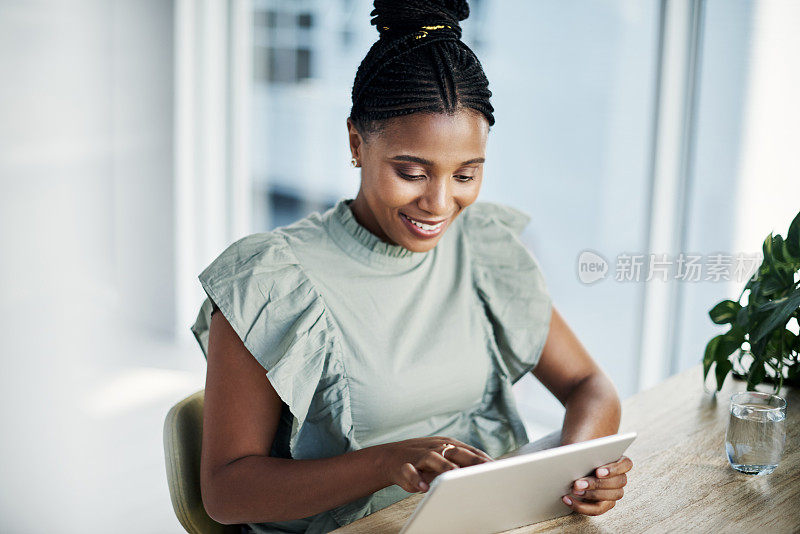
756	432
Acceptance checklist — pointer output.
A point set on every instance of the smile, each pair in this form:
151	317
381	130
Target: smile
421	229
424	226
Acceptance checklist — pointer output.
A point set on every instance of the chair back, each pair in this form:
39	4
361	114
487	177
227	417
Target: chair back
183	432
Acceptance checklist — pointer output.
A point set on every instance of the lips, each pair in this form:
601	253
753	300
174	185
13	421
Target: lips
423	233
423	221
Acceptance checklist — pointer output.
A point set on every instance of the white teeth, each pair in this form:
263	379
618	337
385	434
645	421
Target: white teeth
424	226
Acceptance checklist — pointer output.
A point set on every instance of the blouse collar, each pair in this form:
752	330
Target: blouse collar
365	246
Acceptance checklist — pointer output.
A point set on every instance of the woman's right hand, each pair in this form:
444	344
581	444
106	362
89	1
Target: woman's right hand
413	463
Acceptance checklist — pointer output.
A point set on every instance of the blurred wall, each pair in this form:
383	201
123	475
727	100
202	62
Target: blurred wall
86	240
86	156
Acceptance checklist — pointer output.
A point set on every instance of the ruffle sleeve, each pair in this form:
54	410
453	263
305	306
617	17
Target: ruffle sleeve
264	293
510	284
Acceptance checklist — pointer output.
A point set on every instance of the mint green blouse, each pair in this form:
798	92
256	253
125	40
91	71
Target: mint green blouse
369	343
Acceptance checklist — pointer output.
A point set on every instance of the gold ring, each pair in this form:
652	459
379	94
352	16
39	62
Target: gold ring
447	447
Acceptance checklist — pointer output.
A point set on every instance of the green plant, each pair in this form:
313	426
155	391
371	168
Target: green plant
758	341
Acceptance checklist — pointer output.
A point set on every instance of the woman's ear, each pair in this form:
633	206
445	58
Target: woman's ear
356	141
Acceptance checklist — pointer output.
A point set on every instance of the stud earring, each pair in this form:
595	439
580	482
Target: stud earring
353	162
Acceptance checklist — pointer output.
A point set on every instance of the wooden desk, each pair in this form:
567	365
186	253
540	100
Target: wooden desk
681	480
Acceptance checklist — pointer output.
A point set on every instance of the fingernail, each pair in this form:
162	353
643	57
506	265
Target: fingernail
602	472
581	492
581	484
423	486
567	500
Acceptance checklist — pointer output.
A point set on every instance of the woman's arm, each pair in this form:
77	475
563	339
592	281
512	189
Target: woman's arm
241	483
593	410
569	372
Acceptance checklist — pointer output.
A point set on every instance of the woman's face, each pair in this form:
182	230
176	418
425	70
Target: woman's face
426	167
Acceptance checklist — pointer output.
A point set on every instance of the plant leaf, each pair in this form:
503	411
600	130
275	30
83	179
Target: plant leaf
766	248
781	309
756	375
710	355
775	349
743	318
772	284
791	260
721	370
718	350
758	349
794	372
777	249
755	296
793	238
725	312
783	263
731	340
789	340
775	272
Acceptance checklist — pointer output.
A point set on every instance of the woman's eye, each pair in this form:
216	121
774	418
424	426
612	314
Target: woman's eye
459	177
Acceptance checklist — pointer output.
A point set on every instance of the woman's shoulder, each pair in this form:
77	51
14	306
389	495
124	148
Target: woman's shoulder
484	215
261	288
510	282
492	231
250	252
257	273
270	255
265	250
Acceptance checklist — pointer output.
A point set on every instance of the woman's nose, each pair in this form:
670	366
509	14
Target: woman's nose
436	199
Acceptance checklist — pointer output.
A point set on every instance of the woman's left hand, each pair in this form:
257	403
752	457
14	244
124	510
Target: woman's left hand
595	495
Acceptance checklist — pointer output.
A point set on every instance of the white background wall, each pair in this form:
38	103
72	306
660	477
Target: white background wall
86	263
87	152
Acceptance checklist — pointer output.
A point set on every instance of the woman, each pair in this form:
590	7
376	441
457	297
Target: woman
361	352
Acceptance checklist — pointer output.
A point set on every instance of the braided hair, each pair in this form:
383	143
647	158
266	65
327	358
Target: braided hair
419	64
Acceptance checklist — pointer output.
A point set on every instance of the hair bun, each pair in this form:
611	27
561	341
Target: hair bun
397	18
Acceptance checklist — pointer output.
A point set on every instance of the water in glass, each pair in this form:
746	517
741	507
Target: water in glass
756	434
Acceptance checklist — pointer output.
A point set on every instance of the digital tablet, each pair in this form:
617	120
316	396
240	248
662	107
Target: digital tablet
512	492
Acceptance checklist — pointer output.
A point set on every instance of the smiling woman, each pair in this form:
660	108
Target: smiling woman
418	175
349	350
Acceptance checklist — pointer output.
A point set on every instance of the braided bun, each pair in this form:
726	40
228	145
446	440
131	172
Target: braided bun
398	18
418	64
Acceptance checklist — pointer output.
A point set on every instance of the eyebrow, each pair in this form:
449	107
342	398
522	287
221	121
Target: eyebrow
415	159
